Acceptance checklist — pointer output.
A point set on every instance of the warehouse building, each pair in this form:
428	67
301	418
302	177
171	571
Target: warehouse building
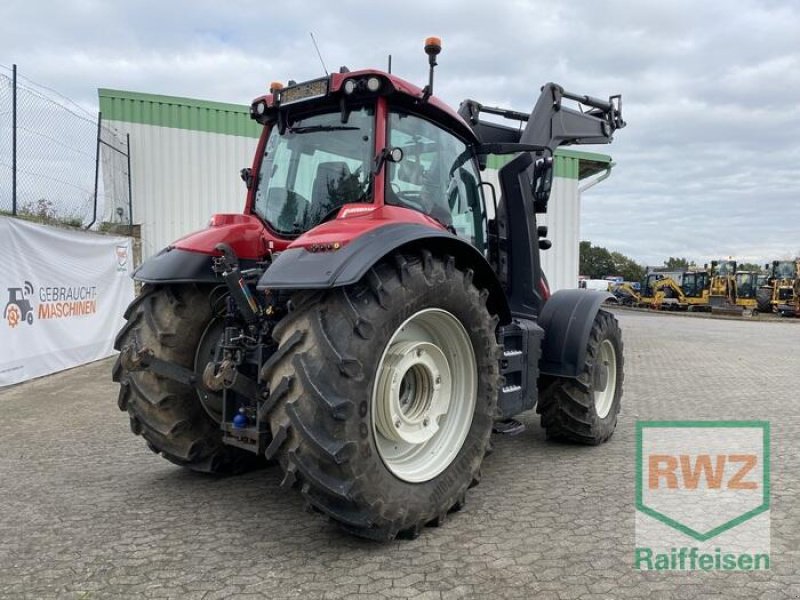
186	155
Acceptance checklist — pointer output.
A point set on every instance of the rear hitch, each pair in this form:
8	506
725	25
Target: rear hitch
225	375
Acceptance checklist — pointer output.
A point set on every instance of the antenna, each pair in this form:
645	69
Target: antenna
390	64
318	53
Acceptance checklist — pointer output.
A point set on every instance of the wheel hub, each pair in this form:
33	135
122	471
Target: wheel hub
415	388
424	395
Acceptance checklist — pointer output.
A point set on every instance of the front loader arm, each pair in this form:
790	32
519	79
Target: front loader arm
550	124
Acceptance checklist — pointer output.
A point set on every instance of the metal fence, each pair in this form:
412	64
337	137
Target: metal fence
58	163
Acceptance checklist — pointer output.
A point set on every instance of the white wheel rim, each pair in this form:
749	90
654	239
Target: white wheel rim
424	395
605	380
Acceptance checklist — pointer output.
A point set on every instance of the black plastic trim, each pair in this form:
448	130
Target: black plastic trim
300	269
567	319
177	266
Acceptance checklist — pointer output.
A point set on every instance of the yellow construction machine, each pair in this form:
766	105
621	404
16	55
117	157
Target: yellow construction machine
722	289
687	290
668	295
746	290
695	286
781	293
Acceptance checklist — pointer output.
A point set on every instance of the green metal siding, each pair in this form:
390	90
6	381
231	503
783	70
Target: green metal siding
177	112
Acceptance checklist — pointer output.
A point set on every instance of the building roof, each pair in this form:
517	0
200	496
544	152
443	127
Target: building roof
570	164
177	112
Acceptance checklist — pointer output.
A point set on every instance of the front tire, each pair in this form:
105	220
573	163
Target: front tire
585	409
358	381
170	320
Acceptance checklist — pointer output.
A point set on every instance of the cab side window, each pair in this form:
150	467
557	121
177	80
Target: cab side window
437	176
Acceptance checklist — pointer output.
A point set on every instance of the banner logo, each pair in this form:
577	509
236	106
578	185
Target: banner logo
702	495
28	303
122	258
19	308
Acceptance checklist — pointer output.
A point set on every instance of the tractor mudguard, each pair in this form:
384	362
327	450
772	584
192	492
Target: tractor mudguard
567	319
301	269
174	265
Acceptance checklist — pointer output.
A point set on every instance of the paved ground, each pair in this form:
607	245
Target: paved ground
86	511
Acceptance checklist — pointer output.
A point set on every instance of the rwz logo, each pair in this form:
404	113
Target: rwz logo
19	307
706	484
662	470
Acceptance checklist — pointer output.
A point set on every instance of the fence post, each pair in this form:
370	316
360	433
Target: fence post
14	140
96	167
130	195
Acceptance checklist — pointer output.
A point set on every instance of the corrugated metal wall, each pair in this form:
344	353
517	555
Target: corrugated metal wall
560	263
186	155
182	177
563	219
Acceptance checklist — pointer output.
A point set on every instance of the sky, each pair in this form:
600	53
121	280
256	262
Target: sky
708	166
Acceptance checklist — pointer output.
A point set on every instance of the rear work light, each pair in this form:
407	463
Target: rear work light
370	84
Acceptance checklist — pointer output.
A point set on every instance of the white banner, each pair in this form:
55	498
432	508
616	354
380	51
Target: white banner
63	294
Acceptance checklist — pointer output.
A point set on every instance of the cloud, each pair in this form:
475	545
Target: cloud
707	166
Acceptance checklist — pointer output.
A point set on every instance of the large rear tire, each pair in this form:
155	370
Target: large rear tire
585	409
170	320
384	394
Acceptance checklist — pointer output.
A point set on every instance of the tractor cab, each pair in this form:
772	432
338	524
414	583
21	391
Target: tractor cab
695	284
365	150
725	268
358	145
784	269
746	284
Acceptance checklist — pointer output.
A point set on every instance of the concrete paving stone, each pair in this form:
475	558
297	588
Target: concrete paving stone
89	512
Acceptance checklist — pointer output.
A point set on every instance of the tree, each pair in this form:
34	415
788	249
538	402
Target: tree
628	268
595	261
749	267
674	263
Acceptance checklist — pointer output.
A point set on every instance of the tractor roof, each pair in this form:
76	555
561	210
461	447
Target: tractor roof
398	90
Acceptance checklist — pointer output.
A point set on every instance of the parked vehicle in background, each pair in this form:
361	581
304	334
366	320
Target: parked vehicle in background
600	285
781	292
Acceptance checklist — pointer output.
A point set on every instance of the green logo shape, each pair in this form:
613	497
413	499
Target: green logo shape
659	516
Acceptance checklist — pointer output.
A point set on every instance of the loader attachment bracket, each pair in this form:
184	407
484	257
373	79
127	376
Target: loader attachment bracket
551	123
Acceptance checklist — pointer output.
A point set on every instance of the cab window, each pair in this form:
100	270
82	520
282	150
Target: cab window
437	176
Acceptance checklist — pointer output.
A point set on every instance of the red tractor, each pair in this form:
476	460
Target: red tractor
366	321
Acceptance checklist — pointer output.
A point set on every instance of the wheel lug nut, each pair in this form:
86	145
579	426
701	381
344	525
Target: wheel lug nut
425	422
397	423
